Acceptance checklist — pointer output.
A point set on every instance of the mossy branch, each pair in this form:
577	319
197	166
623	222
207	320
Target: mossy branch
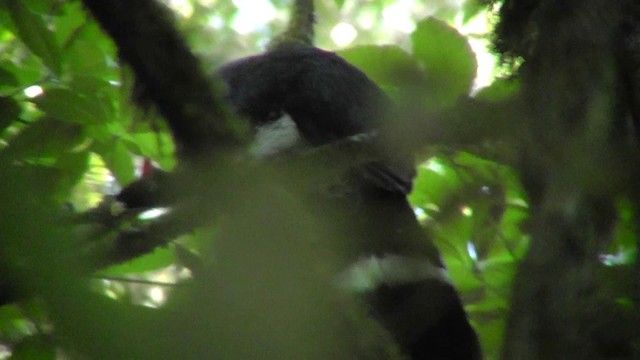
299	31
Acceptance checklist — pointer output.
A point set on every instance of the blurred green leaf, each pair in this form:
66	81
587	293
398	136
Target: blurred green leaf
34	347
625	228
189	259
28	72
158	259
9	111
39	6
118	159
70	22
487	169
34	33
463	277
452	236
498	272
72	165
84	57
13	324
389	66
471	8
156	145
447	58
71	106
491	334
46	138
492	305
512	234
501	89
7	79
435	182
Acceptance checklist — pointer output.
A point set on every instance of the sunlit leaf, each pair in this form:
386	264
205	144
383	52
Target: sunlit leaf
462	274
498	271
435	182
500	89
118	159
71	22
45	138
491	334
85	57
35	34
13	324
447	58
158	259
471	8
71	106
28	72
156	145
72	165
452	236
389	66
511	228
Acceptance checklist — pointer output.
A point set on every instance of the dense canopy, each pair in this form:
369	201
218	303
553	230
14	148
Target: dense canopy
523	117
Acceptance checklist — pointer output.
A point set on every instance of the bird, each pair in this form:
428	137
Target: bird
302	97
298	98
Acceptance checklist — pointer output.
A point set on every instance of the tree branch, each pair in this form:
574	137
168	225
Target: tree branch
170	73
299	31
566	121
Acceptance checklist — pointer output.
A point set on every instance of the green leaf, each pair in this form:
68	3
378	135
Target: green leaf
447	58
46	138
7	79
463	277
435	182
85	57
498	271
34	33
88	51
118	159
13	324
28	72
34	347
72	106
158	259
39	6
156	145
389	66
452	236
71	24
500	89
73	166
471	8
9	111
491	334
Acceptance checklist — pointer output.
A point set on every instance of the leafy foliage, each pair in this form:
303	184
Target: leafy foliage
66	115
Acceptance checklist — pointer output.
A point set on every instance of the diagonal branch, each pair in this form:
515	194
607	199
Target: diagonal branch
162	63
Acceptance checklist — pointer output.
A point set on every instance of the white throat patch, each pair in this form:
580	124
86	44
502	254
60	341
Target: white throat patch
368	273
274	137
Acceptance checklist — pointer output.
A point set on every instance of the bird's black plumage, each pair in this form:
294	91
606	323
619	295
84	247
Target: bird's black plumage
328	99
